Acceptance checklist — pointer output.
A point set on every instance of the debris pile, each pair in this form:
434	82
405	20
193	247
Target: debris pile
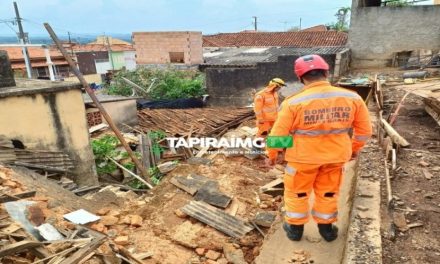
193	122
37	231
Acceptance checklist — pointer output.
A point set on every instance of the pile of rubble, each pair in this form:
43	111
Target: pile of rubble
193	122
37	230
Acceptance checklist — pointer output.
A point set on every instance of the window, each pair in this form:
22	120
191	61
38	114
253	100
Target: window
177	57
42	72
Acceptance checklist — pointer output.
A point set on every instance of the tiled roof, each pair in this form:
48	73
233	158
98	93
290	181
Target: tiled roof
37	64
302	39
104	40
315	28
101	47
16	53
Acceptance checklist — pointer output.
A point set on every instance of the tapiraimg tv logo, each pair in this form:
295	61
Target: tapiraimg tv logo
279	141
232	143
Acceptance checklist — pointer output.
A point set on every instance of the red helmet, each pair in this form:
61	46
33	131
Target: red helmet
308	63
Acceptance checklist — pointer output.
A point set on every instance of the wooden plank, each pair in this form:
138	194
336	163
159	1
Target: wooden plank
151	148
396	137
40	252
18	247
9	198
217	219
93	129
433	114
277	184
84	251
40	167
145	150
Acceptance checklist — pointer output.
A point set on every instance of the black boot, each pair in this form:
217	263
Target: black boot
328	231
294	232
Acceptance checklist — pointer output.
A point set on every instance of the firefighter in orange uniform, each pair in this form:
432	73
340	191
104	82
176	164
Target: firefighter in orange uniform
319	119
266	106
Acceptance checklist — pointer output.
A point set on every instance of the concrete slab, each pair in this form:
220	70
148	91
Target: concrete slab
277	248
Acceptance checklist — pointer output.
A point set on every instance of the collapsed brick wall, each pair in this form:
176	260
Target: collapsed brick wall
233	86
162	47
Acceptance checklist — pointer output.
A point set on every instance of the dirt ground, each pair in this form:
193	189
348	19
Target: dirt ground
172	239
415	185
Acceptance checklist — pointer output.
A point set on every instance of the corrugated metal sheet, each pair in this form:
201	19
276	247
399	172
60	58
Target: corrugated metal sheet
56	159
7	153
243	57
217	219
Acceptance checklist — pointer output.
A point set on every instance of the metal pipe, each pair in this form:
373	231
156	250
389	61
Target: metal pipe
95	100
26	60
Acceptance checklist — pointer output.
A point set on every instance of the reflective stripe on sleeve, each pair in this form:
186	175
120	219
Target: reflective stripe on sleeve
361	138
296	215
321	132
323	96
325	216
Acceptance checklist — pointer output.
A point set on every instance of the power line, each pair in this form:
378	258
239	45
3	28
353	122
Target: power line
67	31
9	26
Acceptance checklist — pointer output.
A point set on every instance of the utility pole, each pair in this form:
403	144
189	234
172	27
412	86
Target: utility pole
255	23
109	50
300	22
23	40
70	43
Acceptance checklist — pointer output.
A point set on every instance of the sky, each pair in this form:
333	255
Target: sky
91	17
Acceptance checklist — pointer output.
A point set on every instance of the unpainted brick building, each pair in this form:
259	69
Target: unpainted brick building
174	47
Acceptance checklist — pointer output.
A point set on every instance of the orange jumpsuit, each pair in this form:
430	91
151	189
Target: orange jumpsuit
319	119
266	109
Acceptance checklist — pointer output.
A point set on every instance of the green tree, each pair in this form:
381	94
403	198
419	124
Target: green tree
342	21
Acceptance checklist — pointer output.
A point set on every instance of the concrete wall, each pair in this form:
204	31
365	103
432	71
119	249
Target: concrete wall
52	121
232	86
155	47
376	33
90	78
123	59
342	63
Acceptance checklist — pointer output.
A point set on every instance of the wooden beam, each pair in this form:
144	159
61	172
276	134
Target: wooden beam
131	173
9	198
84	251
18	247
433	114
396	137
95	100
40	167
